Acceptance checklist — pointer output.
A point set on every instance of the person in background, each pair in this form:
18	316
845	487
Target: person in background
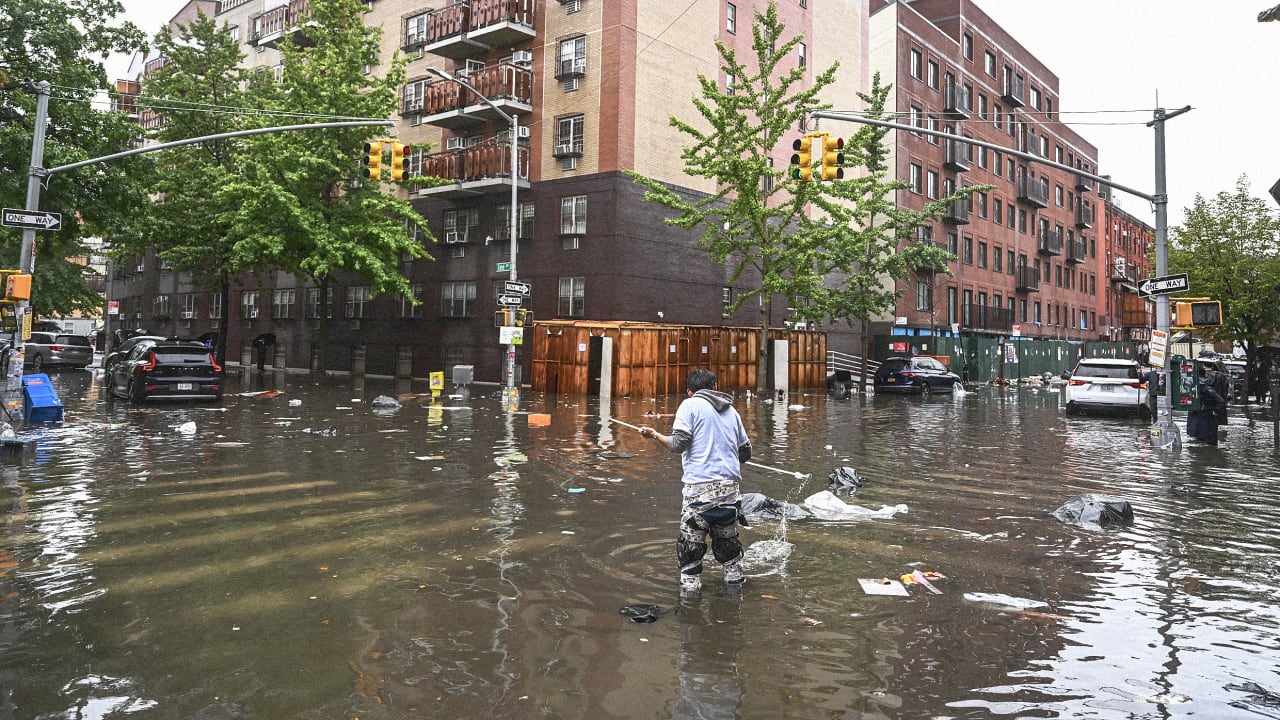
709	435
1202	424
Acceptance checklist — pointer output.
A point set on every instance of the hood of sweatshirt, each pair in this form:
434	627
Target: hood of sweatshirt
719	400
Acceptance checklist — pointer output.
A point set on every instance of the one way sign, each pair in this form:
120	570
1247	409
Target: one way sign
1163	285
32	219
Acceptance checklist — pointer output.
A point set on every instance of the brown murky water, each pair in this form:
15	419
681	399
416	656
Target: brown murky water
301	555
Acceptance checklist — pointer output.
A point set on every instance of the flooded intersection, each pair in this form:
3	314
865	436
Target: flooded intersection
300	554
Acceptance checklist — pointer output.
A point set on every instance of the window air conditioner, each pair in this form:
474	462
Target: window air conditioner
250	313
522	57
523	132
188	314
141	267
455	143
451	236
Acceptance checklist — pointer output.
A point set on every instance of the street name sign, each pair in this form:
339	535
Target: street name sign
515	287
1163	285
510	300
32	219
502	267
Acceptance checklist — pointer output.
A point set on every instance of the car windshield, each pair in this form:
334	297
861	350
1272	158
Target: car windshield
1122	372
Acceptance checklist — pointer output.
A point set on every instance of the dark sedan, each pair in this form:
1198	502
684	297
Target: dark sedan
914	375
166	370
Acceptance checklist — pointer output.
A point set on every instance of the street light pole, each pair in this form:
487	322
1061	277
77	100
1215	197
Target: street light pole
512	397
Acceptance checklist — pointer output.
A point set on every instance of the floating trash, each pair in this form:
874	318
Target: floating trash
1004	601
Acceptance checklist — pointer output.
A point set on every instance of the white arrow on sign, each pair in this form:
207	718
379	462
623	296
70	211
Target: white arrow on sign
515	287
32	219
510	300
1164	285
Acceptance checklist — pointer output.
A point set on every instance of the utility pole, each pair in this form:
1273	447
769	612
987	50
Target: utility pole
1164	431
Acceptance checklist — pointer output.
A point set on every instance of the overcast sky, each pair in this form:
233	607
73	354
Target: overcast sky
1123	55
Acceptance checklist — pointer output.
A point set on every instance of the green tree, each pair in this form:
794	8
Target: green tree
196	92
798	237
63	43
1227	245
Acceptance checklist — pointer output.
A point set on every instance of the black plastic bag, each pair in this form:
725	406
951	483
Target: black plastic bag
844	481
1092	510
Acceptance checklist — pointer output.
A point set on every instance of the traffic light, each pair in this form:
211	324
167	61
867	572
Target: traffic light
832	158
1197	313
373	160
398	151
524	317
504	317
17	286
802	160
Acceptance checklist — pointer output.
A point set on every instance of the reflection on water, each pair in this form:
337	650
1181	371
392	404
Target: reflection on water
448	559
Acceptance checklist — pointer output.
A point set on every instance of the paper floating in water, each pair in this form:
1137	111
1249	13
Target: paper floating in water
1004	601
882	586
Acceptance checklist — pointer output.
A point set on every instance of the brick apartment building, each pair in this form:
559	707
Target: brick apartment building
592	84
1031	257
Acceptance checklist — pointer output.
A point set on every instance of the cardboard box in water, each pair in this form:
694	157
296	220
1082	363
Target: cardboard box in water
41	403
539	419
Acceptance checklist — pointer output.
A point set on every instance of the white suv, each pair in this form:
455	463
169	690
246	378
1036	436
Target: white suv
1107	385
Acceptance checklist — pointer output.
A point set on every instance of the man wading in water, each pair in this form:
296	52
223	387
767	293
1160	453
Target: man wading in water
708	433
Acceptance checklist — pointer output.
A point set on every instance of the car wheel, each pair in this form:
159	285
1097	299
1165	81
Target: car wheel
37	363
1071	408
924	388
136	393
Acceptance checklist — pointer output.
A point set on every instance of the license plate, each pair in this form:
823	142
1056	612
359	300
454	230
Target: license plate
185	386
891	379
1106	388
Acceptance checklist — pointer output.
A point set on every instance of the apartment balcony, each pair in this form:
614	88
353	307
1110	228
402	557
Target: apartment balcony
153	66
932	268
1033	191
957	212
468	28
1122	272
447	104
988	317
269	28
957	155
957	101
1084	184
1077	250
1050	242
1084	215
1015	91
1031	143
1027	279
482	169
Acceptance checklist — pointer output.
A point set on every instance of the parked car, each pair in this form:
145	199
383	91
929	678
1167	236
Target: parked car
919	374
1237	371
45	350
1107	385
166	370
122	351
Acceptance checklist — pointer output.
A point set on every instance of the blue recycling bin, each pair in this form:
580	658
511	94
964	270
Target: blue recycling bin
40	400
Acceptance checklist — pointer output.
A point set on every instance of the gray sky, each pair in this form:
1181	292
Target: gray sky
1123	55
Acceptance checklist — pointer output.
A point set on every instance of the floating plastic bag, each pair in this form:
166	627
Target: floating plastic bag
826	506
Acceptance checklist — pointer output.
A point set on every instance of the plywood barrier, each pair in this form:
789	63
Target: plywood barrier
652	359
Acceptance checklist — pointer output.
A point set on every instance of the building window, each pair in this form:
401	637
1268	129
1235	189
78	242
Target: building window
1035	97
916	119
189	306
931	186
525	218
982	205
997	259
569	136
726	301
982	106
934	126
249	304
357	301
573	215
160	307
997	211
572	290
997	163
407	308
966	46
982	254
924	295
965	309
953	243
800	54
989	63
731	18
461	226
573	58
284	304
458	299
313	302
916	62
1009	264
951	306
932	76
215	306
968	250
917	180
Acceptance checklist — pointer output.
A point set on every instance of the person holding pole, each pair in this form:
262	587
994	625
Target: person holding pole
709	435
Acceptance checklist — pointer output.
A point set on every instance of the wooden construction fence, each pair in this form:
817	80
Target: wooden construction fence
653	359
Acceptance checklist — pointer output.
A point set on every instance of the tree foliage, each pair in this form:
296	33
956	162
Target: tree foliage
1228	246
801	239
63	43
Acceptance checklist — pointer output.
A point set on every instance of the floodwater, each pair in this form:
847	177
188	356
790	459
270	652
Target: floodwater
302	555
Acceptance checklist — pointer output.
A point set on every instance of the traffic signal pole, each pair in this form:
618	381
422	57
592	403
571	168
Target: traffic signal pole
1164	433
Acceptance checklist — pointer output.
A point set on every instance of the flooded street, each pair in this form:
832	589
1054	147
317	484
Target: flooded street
301	554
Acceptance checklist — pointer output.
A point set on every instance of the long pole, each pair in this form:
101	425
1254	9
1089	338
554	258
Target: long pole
1165	430
513	392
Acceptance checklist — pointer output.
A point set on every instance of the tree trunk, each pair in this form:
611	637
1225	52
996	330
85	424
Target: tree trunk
762	357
